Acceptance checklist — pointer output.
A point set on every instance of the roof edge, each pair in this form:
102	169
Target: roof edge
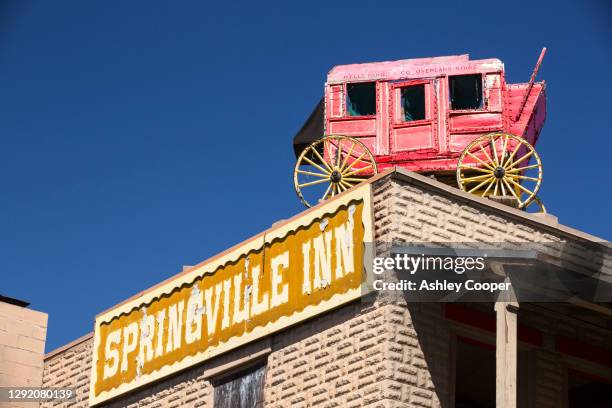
67	346
402	174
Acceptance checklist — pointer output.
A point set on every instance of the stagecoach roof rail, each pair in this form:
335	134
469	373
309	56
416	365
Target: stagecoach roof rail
531	82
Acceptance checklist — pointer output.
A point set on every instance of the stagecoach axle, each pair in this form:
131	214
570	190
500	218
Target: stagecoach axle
499	172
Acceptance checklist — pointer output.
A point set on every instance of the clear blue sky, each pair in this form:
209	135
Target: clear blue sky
140	136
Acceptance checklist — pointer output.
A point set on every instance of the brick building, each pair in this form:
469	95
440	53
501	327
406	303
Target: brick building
359	351
22	346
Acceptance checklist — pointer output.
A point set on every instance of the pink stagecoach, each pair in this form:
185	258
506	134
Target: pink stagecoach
452	118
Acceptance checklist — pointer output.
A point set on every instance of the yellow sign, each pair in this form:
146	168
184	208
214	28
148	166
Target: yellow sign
308	265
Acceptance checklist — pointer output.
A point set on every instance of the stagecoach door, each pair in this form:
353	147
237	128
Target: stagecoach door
413	119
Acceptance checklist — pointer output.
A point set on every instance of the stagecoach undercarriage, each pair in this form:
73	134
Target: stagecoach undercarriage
502	167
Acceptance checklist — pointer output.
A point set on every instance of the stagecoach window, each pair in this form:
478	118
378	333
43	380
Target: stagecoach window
241	390
466	91
361	99
413	103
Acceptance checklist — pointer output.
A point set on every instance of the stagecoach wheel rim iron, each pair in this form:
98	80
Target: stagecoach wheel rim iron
539	204
500	171
335	171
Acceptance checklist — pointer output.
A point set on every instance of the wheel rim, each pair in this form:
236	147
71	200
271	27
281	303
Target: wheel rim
536	206
330	166
498	164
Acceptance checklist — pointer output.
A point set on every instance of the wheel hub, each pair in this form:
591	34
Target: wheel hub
499	172
335	176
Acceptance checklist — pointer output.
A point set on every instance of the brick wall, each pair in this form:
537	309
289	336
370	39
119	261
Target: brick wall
374	352
69	368
22	345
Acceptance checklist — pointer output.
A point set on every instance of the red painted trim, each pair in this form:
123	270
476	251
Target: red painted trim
345	118
403	84
590	376
470	317
419	122
476	343
462	314
585	351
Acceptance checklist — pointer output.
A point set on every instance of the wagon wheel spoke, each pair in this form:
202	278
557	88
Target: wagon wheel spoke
499	172
327	191
488	180
484	193
503	151
477	178
312	183
330	153
472	167
488	158
494	150
362	158
315	165
345	184
330	166
521	187
518	176
514	152
343	165
352	153
311	173
536	204
357	160
520	159
501	184
519	169
480	161
369	166
511	190
338	155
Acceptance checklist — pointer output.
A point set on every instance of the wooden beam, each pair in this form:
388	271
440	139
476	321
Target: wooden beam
506	354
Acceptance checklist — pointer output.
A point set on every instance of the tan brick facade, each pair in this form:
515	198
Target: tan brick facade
22	345
377	352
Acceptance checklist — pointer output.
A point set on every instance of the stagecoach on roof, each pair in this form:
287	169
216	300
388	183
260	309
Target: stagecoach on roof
452	118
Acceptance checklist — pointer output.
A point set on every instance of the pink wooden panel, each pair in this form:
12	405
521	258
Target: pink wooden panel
458	142
493	91
466	122
369	142
413	138
356	127
382	123
335	99
441	114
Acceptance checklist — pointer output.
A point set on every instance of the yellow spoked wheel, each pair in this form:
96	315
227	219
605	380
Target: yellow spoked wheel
536	206
497	164
330	166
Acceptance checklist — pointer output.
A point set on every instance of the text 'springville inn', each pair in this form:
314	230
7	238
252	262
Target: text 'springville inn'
309	265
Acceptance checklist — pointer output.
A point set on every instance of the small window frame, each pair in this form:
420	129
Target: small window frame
238	372
485	103
346	100
397	100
